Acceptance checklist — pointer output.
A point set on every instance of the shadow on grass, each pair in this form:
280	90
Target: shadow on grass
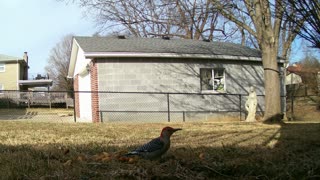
14	114
289	152
37	114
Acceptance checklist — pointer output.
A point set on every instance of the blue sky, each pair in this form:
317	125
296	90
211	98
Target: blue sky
36	26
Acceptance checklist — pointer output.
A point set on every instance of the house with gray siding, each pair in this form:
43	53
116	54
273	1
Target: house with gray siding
118	69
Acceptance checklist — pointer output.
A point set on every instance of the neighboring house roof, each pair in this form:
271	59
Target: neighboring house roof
295	68
159	45
6	58
300	69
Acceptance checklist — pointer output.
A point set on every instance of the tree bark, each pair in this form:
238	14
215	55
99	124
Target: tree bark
272	84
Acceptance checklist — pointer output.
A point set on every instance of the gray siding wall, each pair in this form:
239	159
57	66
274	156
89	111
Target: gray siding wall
182	76
158	75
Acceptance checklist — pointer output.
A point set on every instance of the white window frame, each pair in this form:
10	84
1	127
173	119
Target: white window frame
220	81
2	67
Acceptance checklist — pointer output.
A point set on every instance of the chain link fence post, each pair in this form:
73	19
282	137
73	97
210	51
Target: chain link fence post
240	106
168	101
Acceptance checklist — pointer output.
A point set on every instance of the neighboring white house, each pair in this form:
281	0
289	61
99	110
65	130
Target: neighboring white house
292	77
121	64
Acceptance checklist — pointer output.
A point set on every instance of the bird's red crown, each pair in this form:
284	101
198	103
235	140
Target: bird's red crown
170	130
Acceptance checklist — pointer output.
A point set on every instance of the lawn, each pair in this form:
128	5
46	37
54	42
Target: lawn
219	150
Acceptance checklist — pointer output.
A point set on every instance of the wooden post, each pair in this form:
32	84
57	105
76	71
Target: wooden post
49	98
66	99
29	99
184	116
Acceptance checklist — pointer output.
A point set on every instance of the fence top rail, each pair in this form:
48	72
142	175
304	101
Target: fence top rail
124	111
36	91
148	92
136	92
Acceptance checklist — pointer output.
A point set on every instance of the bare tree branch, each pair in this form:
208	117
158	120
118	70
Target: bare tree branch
191	19
58	63
309	11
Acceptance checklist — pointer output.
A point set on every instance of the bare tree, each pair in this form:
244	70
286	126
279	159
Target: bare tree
266	25
309	11
189	19
58	63
309	73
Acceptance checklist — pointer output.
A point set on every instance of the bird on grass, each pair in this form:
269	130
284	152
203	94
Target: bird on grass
156	147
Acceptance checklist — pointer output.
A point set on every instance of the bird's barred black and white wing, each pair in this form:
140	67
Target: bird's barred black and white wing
153	145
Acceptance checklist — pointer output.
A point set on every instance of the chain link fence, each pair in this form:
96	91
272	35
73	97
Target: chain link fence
166	107
36	106
302	102
124	106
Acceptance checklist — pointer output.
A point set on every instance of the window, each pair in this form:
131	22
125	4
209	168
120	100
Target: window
2	67
1	87
212	80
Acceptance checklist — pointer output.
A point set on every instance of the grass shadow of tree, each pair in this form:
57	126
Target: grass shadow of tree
218	151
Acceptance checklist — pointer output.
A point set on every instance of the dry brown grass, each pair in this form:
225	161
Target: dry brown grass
37	114
219	150
306	108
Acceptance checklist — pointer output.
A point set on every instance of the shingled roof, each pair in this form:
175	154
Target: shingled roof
5	58
159	45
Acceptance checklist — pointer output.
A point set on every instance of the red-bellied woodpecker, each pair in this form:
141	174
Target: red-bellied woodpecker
156	147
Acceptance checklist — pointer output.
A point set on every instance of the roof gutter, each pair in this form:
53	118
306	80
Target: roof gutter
169	55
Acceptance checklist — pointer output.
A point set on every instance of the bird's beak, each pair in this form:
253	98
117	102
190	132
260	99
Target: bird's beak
177	129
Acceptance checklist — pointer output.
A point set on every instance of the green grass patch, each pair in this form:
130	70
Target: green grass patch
230	150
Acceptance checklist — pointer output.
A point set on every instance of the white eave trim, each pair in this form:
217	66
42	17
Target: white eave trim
168	55
36	82
73	58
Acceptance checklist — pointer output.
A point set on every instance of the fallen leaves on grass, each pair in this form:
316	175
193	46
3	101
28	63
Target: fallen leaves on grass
82	158
212	151
68	163
202	156
103	157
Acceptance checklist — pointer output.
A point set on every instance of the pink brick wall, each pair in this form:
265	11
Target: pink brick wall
76	96
94	89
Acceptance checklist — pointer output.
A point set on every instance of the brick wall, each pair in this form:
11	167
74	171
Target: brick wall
94	89
76	89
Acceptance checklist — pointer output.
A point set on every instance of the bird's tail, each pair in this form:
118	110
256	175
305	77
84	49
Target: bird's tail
132	153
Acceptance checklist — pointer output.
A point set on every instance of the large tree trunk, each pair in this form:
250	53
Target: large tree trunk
272	84
268	21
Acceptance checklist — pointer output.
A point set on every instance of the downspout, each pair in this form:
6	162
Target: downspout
74	100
